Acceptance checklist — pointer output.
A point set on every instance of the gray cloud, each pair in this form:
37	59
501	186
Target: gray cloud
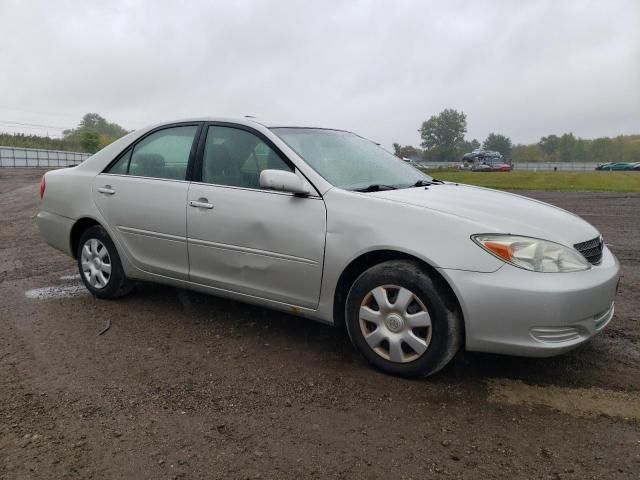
376	67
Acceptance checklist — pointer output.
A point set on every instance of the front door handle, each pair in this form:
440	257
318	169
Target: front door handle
201	203
107	190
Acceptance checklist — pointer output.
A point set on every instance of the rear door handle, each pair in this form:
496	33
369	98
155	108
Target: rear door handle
107	190
201	203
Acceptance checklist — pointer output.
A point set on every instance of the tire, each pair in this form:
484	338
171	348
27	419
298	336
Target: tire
416	345
99	265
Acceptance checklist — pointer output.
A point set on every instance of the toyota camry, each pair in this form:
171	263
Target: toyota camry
327	225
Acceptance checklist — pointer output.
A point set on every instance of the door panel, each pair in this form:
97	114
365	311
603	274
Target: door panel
148	218
260	243
245	239
143	198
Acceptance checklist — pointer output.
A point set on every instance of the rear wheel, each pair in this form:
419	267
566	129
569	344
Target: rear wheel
99	265
402	320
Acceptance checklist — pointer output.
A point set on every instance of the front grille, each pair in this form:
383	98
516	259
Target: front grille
591	250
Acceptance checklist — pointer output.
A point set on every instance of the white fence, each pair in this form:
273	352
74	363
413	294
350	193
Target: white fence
36	158
535	166
33	157
547	166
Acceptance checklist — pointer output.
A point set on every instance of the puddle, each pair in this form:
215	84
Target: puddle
73	288
62	291
579	402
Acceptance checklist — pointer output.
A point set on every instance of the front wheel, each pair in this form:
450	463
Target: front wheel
99	264
402	320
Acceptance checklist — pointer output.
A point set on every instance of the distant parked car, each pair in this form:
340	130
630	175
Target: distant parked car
411	162
501	167
486	161
603	166
620	166
481	167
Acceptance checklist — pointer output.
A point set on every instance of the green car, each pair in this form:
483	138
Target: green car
621	166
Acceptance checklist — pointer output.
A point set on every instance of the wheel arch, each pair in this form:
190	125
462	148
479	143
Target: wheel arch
367	260
77	230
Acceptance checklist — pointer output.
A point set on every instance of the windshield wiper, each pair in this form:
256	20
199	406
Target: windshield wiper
426	183
422	183
375	187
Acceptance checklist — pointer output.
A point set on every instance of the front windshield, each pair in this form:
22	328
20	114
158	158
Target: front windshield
348	161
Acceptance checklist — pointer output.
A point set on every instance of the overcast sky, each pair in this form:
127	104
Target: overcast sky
524	69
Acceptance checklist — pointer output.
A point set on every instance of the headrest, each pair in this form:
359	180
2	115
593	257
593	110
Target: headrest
218	152
220	158
149	160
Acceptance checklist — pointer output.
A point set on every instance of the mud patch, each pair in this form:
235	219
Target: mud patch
75	276
579	402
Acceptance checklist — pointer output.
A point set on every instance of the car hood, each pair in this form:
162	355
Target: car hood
493	211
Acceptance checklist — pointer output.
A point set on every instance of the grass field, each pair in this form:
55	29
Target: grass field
554	181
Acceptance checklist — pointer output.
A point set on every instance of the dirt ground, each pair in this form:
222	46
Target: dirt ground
186	385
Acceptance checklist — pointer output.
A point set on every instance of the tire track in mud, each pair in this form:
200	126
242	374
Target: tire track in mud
577	402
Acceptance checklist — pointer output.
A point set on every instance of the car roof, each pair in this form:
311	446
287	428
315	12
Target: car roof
248	120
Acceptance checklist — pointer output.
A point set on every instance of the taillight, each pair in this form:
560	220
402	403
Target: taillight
43	186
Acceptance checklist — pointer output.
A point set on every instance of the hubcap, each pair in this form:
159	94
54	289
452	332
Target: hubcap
395	323
96	263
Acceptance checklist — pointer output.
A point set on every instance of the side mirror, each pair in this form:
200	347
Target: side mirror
283	181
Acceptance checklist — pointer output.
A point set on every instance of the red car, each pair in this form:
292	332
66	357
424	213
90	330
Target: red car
501	167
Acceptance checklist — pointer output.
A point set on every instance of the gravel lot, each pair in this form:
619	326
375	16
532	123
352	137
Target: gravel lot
185	385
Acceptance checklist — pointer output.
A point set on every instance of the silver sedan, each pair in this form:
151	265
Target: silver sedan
327	225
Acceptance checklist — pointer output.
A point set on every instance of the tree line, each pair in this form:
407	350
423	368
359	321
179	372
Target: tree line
93	133
443	140
20	140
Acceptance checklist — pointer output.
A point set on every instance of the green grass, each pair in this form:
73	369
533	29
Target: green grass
553	181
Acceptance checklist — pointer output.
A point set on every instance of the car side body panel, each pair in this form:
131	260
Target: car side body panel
148	218
275	250
56	230
437	238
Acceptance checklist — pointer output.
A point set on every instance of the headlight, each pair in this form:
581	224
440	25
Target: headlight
532	253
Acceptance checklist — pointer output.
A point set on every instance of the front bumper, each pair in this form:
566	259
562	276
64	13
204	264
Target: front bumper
518	312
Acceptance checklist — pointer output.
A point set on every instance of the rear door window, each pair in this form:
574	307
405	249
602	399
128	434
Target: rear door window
163	154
